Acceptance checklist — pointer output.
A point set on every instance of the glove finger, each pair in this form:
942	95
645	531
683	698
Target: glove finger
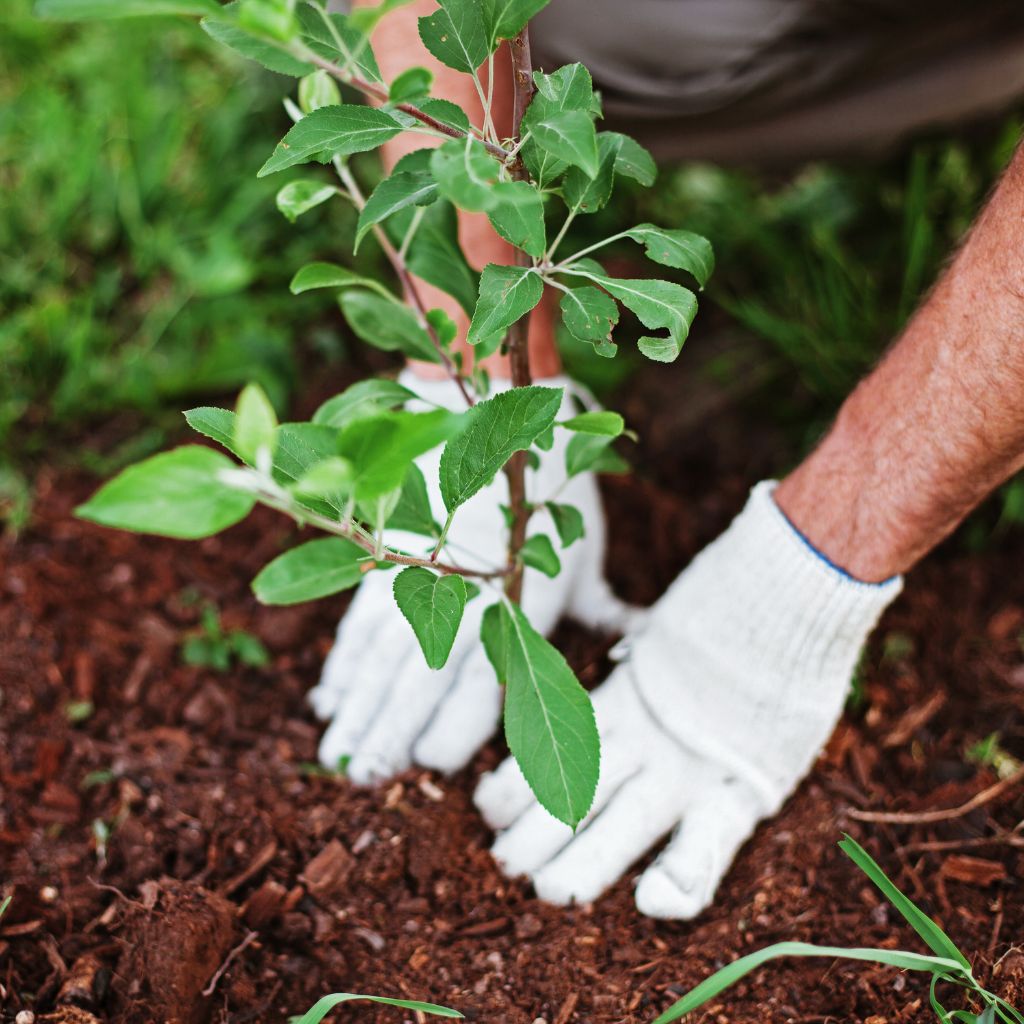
501	796
537	837
640	813
682	881
354	638
366	691
465	717
412	699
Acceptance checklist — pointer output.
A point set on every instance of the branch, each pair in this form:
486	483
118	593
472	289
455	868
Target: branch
518	335
375	92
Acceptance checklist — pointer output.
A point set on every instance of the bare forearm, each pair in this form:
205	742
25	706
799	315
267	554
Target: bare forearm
939	423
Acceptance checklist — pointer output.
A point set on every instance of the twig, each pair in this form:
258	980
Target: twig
222	970
927	817
518	335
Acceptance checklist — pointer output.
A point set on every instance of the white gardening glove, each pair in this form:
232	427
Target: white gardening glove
387	709
727	695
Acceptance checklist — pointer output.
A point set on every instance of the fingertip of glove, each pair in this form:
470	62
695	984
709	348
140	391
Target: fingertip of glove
659	896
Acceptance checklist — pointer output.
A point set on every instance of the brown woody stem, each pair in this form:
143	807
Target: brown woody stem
517	341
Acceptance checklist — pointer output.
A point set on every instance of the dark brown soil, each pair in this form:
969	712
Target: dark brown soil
231	869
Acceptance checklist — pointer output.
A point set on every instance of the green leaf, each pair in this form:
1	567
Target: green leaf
569	135
411	85
433	606
506	295
323	1006
517	214
331	275
934	937
447	113
330	479
364	398
394	193
657	304
505	18
465	174
549	720
583	194
314	569
365	18
82	10
255	423
455	34
539	553
218	424
591	452
683	250
731	973
297	448
568	522
317	90
413	512
568	88
498	427
323	40
269	18
382	446
298	197
632	160
263	51
337	131
435	254
174	494
387	325
603	422
589	313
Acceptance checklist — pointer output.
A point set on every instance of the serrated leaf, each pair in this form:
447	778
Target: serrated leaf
585	194
447	113
317	90
381	447
84	10
298	197
568	88
496	428
335	131
539	553
394	193
269	54
568	522
331	275
589	313
506	295
569	135
517	214
297	448
592	453
632	160
323	1006
330	479
549	720
217	424
433	606
255	423
364	398
683	250
455	35
315	569
411	85
355	49
386	325
657	304
465	174
505	18
413	512
174	494
365	19
601	422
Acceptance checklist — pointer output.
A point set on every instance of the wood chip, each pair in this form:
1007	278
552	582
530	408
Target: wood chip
961	867
82	984
568	1008
913	720
265	855
327	873
265	904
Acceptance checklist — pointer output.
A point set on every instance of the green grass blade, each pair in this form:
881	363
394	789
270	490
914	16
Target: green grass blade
934	937
323	1006
1005	1010
4	904
731	973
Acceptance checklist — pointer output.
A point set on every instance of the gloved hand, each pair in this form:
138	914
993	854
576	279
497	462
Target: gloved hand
725	699
387	709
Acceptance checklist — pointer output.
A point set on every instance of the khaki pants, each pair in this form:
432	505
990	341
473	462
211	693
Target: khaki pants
776	81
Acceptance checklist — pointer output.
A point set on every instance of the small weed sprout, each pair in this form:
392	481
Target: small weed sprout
211	647
946	964
351	472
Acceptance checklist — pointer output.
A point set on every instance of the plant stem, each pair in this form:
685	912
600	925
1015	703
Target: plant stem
583	252
549	255
518	335
397	261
